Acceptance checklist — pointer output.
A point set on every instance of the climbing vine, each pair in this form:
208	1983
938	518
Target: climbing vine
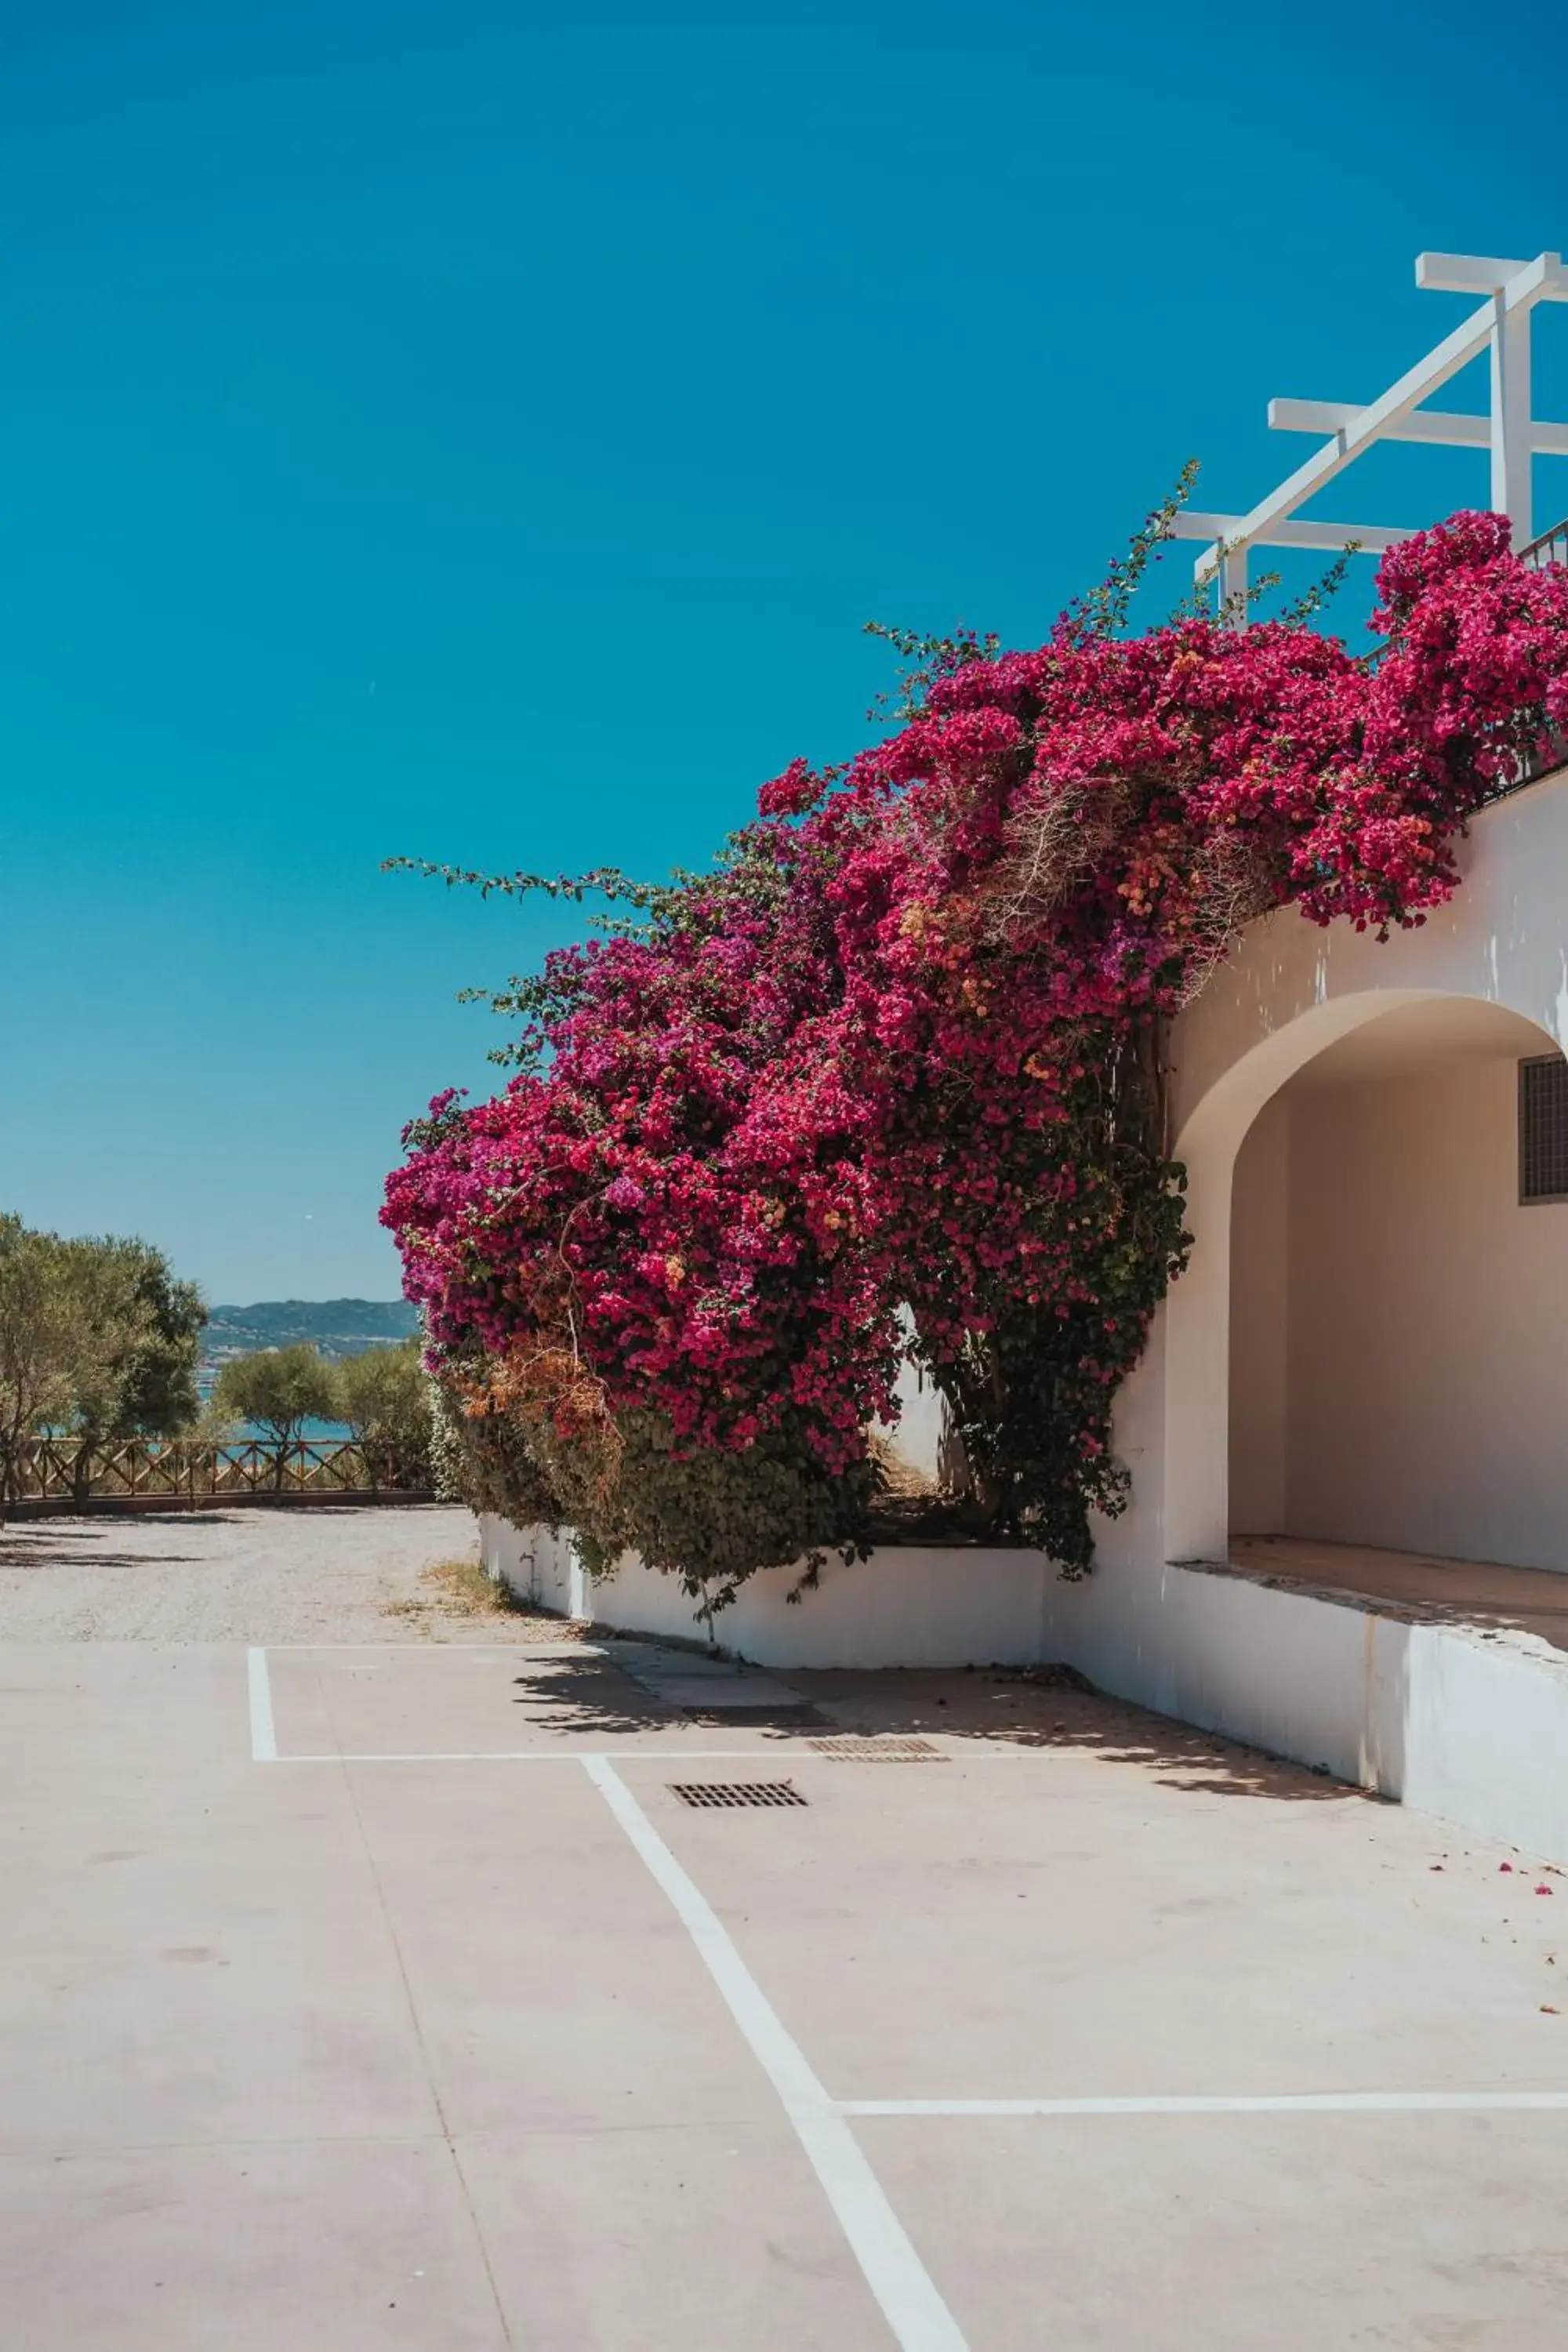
884	1087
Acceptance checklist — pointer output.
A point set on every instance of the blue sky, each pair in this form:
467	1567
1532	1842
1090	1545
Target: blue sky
481	433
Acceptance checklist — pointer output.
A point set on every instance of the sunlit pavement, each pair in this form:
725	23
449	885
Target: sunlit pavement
381	1997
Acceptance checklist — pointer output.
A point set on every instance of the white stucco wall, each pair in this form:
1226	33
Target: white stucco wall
906	1606
538	1564
1290	991
1428	1323
1473	1731
1468	1726
1398	1322
1260	1322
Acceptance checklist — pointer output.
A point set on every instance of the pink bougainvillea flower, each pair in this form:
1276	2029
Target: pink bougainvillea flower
852	1096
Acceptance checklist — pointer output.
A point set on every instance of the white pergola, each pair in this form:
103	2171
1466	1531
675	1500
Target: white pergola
1501	324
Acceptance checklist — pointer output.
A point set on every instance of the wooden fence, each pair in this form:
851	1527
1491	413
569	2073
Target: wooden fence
65	1471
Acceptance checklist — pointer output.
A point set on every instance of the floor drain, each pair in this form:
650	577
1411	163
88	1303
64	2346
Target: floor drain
737	1792
851	1750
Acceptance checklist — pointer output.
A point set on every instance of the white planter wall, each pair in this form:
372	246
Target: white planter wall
903	1607
537	1565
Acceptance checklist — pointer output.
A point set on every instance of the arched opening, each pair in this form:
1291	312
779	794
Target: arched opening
1397	1319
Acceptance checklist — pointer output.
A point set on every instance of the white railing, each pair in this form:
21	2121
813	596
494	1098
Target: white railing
1552	547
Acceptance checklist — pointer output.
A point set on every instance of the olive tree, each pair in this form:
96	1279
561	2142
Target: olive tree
151	1324
384	1396
70	1325
280	1390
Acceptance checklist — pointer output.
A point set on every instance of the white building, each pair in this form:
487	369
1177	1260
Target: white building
1347	1434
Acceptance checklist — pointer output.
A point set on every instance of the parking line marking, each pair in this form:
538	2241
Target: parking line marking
920	2320
263	1734
748	1757
1303	2103
442	1648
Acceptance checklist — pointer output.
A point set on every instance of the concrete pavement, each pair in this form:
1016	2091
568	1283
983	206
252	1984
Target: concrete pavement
342	2055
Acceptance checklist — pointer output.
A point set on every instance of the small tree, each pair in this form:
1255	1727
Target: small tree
159	1397
384	1397
145	1385
69	1323
279	1389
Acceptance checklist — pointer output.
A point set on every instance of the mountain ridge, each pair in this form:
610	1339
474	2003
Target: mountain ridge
337	1327
360	1318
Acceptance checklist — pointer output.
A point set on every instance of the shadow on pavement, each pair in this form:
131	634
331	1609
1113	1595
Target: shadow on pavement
42	1544
1033	1707
1055	1706
588	1697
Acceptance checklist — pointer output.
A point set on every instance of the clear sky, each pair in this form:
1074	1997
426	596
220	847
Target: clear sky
480	432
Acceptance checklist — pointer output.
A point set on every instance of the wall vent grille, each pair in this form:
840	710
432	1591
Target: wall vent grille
1543	1129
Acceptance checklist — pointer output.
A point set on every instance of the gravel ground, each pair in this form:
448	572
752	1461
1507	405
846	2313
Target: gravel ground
354	1574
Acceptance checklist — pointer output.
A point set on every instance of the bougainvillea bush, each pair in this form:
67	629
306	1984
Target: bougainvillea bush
885	1084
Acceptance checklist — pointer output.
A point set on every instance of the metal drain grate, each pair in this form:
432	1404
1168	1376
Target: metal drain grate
851	1751
737	1792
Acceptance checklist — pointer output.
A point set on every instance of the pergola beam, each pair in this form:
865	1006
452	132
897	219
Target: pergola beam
1464	273
1370	538
1499	327
1445	426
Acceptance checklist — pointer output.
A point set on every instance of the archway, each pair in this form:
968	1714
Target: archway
1371	1341
1398	1311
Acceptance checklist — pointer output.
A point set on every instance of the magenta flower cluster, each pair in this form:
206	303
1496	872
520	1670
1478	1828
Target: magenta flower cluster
849	1080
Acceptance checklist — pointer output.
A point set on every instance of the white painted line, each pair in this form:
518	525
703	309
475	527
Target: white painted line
1304	2102
449	1756
748	1757
441	1649
263	1735
920	2320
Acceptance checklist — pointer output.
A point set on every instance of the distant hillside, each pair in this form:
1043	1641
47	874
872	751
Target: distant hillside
339	1326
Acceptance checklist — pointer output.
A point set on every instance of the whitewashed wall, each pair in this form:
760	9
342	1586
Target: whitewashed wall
1399	1322
537	1564
903	1607
1261	1323
1470	1727
1290	992
1428	1323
